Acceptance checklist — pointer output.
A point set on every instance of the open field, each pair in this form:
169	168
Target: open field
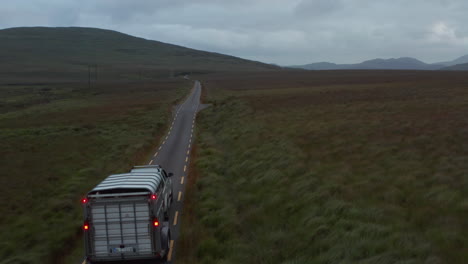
57	140
330	167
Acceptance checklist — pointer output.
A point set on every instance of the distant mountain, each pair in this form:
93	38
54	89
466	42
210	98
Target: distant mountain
75	47
461	60
320	66
458	67
404	63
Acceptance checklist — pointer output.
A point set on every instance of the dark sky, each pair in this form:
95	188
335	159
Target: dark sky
274	31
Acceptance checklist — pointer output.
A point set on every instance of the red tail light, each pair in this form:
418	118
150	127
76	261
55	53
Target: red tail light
154	197
84	200
86	226
155	222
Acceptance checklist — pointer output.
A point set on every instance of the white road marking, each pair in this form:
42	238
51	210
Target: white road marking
151	161
185	168
155	154
180	195
186	159
182	180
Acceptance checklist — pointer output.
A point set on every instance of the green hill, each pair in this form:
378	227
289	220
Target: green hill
72	49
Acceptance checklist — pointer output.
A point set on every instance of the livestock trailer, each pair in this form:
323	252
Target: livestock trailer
125	217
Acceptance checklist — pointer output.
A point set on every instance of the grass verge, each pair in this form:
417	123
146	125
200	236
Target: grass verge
57	141
359	170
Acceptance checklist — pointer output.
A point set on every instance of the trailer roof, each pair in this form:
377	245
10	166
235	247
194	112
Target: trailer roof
129	182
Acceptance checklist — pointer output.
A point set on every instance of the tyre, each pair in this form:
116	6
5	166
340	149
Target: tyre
166	214
168	246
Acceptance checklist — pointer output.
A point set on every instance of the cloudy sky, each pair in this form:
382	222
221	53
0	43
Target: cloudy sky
275	31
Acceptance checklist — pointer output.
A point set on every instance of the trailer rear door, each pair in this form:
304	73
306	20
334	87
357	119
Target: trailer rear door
121	228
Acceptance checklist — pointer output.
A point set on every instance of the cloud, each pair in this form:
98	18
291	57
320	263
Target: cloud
440	32
278	31
313	8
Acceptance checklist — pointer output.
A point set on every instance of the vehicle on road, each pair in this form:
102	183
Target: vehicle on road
126	216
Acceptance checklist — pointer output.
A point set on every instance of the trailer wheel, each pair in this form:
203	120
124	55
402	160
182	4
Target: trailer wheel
166	214
168	241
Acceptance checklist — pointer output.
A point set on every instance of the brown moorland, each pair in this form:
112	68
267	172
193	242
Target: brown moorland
57	140
330	167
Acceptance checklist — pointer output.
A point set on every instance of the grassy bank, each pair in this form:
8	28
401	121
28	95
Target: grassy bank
59	140
330	167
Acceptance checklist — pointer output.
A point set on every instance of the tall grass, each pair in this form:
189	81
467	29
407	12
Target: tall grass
330	174
56	142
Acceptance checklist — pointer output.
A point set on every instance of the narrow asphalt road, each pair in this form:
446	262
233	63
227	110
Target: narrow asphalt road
174	156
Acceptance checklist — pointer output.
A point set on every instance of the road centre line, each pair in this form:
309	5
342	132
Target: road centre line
180	195
182	180
169	255
186	159
188	151
151	161
155	154
185	168
175	218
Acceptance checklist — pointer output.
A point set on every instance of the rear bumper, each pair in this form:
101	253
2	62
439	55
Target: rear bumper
125	258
